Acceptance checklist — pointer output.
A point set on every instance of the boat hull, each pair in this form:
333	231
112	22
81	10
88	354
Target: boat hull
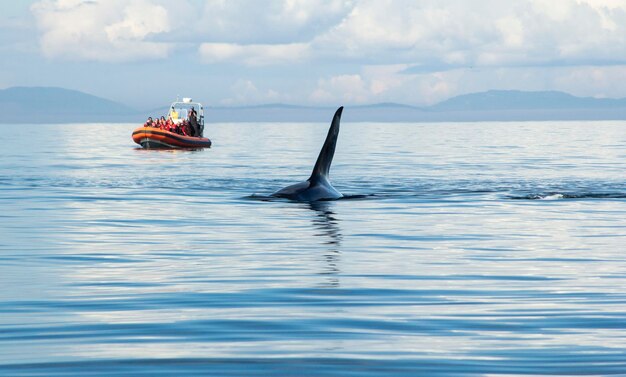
152	138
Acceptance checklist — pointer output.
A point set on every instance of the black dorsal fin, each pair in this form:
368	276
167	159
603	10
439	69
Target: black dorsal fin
325	158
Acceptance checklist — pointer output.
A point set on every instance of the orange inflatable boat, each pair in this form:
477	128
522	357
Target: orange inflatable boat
151	137
182	115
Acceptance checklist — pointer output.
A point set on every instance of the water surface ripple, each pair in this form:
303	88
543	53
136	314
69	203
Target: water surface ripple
460	249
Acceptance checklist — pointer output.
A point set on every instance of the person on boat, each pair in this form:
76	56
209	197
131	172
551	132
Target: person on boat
162	123
185	129
148	122
193	122
169	126
173	113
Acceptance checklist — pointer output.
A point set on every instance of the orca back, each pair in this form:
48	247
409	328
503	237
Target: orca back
318	186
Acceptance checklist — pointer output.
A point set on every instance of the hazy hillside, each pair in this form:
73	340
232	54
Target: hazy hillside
57	105
45	104
514	105
519	100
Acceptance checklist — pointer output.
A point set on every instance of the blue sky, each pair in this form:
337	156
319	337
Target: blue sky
146	52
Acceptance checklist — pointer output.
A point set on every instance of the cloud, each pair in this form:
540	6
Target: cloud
256	33
386	83
376	84
343	88
453	47
379	83
269	22
461	33
254	55
356	51
591	81
429	32
480	32
246	92
114	30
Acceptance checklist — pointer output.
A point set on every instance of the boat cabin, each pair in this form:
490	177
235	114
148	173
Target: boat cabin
179	111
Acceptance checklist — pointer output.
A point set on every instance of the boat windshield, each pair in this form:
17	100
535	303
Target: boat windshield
179	111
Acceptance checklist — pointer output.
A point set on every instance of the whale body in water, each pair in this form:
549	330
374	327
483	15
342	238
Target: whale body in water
318	186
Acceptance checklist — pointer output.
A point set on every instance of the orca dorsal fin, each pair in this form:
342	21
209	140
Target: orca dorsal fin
325	158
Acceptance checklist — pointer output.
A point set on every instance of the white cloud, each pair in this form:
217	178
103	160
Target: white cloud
356	51
383	79
375	84
246	92
140	19
520	44
254	55
387	83
555	11
269	21
591	81
512	31
265	33
114	30
480	32
343	88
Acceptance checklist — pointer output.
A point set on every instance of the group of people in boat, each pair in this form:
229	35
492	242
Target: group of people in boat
186	127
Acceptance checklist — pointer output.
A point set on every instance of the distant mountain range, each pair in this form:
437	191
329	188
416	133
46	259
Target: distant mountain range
519	100
57	105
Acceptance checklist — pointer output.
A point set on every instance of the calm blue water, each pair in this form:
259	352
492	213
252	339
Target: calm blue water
466	249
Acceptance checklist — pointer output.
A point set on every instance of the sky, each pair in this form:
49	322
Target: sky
145	53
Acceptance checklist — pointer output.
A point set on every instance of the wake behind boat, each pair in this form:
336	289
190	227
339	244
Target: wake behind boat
183	128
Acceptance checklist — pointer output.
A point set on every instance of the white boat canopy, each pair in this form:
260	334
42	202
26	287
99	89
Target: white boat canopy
179	110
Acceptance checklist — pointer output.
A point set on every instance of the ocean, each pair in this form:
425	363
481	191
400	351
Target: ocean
461	249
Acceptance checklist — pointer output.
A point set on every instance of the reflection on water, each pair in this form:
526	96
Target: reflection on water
440	261
328	225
